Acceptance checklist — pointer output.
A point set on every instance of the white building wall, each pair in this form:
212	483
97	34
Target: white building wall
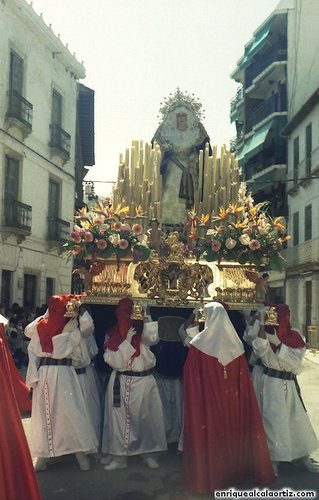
47	64
303	82
303	49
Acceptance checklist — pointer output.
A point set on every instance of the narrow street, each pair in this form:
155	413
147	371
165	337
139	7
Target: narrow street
64	480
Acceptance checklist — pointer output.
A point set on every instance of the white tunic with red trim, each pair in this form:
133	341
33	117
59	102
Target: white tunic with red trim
60	423
137	425
288	429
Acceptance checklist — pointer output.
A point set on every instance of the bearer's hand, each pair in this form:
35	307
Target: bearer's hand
130	334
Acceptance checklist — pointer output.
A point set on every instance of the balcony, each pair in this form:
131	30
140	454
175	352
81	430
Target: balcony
307	169
60	142
58	230
19	113
17	218
277	103
269	57
303	257
237	105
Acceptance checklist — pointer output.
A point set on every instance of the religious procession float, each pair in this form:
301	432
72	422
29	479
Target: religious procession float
180	228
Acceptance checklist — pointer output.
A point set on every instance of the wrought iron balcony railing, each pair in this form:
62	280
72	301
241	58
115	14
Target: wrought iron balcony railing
275	104
58	229
272	55
60	140
20	109
17	215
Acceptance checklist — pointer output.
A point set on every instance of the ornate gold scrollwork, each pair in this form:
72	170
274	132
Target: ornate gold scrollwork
172	279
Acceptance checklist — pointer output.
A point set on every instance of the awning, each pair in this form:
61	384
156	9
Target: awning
260	183
255	143
256	45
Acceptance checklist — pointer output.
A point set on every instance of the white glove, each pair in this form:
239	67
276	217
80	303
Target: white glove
261	312
130	334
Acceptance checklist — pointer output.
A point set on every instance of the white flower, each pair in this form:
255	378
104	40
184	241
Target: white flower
230	243
114	239
142	238
244	239
264	227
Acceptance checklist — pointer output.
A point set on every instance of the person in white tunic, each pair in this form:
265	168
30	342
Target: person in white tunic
134	419
255	363
60	423
289	432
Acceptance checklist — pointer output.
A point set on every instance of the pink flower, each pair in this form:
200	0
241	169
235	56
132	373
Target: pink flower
101	244
88	237
254	245
101	234
230	243
76	250
137	229
123	244
75	235
117	226
215	245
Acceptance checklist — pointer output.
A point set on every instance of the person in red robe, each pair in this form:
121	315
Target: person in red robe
21	391
224	438
17	476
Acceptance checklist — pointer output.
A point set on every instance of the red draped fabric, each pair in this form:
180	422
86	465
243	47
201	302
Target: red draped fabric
17	476
21	391
224	439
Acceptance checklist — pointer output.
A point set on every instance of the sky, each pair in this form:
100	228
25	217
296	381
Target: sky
137	52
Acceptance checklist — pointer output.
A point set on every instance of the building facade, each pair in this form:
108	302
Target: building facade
40	156
276	112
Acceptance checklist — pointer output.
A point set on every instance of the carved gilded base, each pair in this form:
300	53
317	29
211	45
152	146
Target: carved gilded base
232	285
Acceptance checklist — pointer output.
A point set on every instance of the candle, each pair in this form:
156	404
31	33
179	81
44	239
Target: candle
200	175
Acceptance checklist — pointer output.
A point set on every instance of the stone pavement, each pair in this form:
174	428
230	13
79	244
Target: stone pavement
64	481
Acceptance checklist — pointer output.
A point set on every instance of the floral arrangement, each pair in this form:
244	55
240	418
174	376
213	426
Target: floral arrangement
107	232
246	233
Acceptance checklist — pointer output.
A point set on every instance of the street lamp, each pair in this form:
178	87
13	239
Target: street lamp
89	191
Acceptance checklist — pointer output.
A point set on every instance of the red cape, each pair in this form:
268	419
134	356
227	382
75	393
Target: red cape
21	391
224	438
17	476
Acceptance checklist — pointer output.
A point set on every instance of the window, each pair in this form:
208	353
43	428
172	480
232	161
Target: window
308	149
49	291
295	230
11	190
6	280
54	208
308	222
308	306
58	230
29	289
60	139
19	108
56	108
16	73
295	159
